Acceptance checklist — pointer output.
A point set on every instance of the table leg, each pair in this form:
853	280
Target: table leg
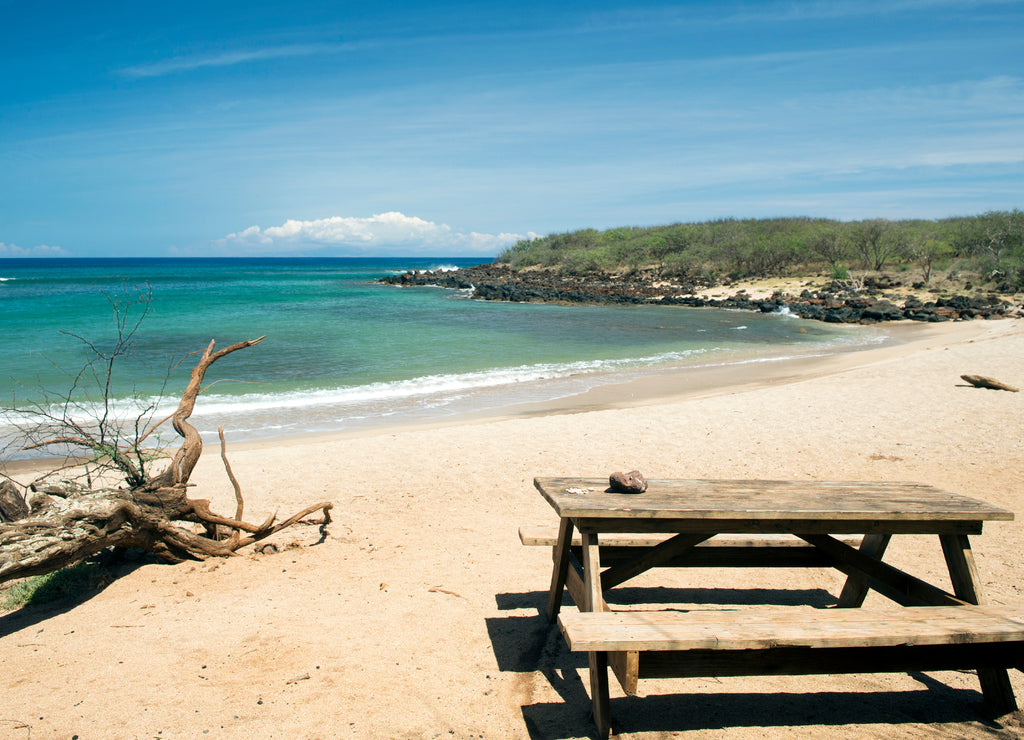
593	601
962	570
599	696
592	590
855	590
995	683
561	568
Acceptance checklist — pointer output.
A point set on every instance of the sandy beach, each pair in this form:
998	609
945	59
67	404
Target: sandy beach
421	614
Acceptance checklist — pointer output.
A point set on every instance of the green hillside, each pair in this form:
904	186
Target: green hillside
989	246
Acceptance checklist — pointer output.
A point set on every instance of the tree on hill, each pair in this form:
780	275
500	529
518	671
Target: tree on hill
990	245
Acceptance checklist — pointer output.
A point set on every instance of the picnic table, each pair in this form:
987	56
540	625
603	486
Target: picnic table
756	523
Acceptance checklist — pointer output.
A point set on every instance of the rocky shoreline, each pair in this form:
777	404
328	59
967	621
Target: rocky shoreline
878	299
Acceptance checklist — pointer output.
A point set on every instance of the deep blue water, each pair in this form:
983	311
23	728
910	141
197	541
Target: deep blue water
342	351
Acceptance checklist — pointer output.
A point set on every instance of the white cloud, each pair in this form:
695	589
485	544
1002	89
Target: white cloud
175	65
43	250
391	233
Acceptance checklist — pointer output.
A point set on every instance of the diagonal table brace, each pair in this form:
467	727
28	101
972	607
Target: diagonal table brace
652	558
855	591
891	582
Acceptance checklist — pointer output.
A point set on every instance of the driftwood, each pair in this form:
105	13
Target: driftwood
980	381
12	503
68	523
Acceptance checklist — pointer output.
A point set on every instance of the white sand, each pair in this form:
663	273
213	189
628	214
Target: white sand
421	615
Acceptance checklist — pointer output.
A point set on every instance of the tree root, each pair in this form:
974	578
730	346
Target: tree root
61	530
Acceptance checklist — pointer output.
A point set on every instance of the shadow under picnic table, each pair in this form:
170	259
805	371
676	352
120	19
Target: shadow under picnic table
661	595
531	644
936	703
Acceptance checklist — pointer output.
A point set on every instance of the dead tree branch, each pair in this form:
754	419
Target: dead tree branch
156	514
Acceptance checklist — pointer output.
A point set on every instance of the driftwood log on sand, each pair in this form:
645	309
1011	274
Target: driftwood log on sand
980	381
68	523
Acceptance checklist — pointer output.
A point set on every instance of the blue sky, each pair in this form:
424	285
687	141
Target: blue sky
339	128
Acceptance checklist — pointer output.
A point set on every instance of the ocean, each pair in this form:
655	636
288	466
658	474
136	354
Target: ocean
341	351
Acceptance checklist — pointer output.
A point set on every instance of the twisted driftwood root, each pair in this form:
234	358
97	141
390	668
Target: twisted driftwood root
65	525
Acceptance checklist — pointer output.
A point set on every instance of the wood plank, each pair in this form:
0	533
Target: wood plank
962	571
758	526
797	627
855	590
762	500
995	682
679	545
560	571
721	551
574	585
598	669
593	593
891	582
545	536
626	667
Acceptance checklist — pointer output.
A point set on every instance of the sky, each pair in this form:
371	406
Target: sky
315	128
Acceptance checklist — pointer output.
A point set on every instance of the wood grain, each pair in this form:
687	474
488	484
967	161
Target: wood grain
765	501
775	627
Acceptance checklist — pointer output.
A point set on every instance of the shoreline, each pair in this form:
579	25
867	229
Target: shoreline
637	388
632	389
551	390
686	383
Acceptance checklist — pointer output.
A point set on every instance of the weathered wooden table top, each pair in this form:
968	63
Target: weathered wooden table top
764	501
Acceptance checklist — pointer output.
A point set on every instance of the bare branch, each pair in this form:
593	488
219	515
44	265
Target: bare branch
70	522
326	506
239	501
187	456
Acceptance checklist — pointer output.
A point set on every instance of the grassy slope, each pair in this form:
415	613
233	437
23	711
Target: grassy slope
985	249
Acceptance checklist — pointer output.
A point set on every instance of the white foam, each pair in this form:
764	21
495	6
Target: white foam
261	415
446	386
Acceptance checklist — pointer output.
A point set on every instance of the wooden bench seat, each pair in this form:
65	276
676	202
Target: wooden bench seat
722	551
797	640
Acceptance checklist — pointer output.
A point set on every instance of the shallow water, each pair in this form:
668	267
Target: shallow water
344	352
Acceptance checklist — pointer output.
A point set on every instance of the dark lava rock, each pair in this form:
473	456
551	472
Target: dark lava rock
834	304
881	311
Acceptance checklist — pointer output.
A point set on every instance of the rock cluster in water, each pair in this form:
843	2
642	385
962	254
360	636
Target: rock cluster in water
835	303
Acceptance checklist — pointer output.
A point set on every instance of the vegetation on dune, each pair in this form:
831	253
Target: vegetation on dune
989	245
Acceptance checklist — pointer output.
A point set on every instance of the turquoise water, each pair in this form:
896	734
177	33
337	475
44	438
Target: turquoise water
344	352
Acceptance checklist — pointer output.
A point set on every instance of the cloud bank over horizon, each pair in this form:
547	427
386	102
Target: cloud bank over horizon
41	250
390	233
